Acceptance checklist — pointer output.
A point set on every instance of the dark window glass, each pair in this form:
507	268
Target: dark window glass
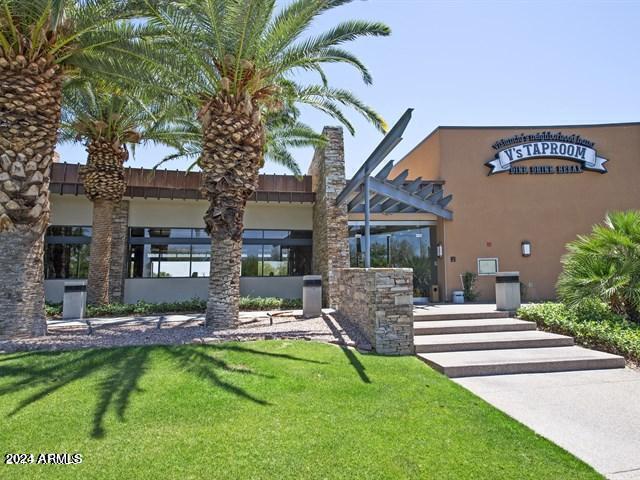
399	246
200	260
158	232
251	260
298	259
272	255
252	234
301	234
200	233
61	231
278	234
275	263
175	261
66	261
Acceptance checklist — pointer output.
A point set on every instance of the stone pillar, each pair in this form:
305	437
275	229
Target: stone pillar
380	302
119	243
330	226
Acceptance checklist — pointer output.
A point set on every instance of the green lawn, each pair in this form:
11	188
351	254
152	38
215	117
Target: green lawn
269	409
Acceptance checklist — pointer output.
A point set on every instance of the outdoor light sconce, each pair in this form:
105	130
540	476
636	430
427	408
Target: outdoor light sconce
439	250
526	248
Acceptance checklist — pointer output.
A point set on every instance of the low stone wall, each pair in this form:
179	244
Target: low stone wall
380	302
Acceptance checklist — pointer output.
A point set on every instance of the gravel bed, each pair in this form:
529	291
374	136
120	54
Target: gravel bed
189	329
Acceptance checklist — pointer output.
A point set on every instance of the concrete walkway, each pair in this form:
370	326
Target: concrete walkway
594	414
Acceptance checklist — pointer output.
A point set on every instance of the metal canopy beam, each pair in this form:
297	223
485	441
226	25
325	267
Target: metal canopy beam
366	193
385	188
383	149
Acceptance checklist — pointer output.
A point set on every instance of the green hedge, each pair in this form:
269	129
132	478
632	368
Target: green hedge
591	323
194	305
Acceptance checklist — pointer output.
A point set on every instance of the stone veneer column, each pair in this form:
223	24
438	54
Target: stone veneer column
119	242
330	226
380	302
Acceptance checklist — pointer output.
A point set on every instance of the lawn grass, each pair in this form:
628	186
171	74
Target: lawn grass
267	409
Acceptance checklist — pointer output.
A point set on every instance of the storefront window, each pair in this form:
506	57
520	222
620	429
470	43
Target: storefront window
175	261
186	252
200	260
67	252
251	261
399	246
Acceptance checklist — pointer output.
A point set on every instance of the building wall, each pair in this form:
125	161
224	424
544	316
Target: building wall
190	213
77	210
494	214
70	210
176	289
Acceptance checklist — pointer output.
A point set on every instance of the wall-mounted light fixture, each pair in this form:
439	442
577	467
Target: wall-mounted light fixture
526	248
439	250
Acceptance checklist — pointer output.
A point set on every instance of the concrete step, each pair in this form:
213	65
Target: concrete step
489	341
440	327
428	316
527	360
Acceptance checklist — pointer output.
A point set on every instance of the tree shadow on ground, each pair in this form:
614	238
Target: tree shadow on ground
120	371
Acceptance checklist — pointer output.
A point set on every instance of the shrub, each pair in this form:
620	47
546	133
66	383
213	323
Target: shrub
605	265
591	323
469	286
195	305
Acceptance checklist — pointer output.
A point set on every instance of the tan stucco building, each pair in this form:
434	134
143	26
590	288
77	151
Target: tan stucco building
541	186
546	186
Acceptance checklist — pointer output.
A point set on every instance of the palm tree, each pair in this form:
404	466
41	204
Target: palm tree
110	122
236	60
283	132
605	265
42	42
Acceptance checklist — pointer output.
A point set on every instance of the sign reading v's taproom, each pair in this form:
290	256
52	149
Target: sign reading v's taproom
545	145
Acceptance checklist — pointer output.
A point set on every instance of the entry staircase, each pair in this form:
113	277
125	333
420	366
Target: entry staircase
467	342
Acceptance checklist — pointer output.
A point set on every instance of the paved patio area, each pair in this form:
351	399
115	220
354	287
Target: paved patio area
595	415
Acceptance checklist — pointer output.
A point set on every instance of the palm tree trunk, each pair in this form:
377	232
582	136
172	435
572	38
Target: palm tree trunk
224	283
100	253
22	280
29	119
232	154
104	185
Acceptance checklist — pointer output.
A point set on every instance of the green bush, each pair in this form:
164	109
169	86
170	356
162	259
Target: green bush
195	305
469	286
605	265
591	323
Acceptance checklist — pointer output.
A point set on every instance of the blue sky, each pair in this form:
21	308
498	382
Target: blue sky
479	63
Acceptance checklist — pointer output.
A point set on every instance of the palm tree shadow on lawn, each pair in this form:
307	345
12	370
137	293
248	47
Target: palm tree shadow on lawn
125	367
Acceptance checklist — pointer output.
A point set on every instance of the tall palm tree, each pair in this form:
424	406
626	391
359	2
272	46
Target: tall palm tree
110	122
41	43
236	60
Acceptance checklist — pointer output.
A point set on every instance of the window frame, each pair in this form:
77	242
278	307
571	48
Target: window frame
495	260
195	240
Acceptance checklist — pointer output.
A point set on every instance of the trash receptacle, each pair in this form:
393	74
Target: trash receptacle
458	296
508	291
74	300
311	296
435	294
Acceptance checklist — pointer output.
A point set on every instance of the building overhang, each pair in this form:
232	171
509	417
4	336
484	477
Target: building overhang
176	185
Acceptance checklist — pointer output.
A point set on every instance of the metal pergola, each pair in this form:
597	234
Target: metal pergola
368	194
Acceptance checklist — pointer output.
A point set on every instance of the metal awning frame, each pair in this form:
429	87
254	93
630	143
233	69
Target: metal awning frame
368	194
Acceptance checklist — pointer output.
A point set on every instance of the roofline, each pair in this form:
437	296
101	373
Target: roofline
505	127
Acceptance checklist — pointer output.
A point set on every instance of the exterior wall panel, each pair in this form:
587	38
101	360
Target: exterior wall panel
176	289
493	214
